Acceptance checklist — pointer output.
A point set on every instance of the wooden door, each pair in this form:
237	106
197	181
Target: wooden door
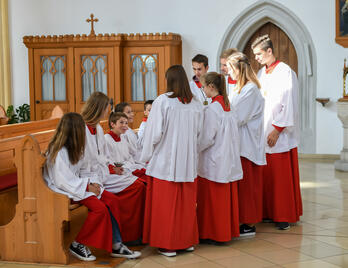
284	50
53	82
144	71
94	71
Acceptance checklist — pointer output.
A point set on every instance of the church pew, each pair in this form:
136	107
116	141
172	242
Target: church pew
35	234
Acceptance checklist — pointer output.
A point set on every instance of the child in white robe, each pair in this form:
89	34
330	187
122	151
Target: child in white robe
147	109
219	166
249	107
115	179
65	172
171	150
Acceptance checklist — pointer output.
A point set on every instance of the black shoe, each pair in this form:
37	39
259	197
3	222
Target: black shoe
246	230
267	220
211	242
81	252
124	252
283	225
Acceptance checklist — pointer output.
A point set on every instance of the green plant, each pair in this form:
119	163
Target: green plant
11	114
23	112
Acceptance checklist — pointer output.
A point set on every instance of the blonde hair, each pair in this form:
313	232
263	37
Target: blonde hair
264	42
93	110
70	133
228	52
241	62
219	83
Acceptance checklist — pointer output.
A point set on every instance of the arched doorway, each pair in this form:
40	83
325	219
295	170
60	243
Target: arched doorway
283	48
240	33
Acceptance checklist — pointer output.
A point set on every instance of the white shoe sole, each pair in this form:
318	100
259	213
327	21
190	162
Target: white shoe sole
190	249
247	234
167	254
136	254
91	258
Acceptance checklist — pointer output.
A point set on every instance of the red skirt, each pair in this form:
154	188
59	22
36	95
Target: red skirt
170	220
250	193
132	204
217	210
281	187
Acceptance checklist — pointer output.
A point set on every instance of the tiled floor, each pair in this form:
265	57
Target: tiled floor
319	240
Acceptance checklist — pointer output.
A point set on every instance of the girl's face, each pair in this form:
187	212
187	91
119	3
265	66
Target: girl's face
233	72
209	90
120	127
130	114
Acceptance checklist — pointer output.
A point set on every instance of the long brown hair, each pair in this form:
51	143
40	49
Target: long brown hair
93	110
178	84
218	82
241	62
71	134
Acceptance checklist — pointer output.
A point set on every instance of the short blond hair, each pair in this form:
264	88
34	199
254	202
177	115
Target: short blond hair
264	42
228	52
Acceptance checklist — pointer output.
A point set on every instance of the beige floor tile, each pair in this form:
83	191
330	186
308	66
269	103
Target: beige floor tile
205	264
321	250
215	252
329	223
282	256
252	246
341	242
15	265
143	263
288	240
180	259
310	264
244	261
340	260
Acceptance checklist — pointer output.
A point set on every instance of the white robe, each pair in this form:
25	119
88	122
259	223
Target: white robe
230	89
131	137
280	91
249	106
99	162
171	139
68	179
219	158
119	152
141	130
199	93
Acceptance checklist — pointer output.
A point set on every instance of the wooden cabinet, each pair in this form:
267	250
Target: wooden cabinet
65	70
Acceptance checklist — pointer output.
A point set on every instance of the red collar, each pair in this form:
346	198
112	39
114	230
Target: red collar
231	81
196	80
270	68
114	136
185	100
92	130
220	99
144	119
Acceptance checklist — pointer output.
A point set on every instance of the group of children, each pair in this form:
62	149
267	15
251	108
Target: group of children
211	159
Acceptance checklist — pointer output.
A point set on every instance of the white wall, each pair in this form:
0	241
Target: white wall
201	24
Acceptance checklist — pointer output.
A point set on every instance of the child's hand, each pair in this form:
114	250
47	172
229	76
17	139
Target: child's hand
94	188
118	170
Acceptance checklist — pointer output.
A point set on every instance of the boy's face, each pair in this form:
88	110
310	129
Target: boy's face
199	69
223	66
121	126
262	56
130	114
147	110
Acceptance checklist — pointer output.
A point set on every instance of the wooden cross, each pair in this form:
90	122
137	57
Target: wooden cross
92	20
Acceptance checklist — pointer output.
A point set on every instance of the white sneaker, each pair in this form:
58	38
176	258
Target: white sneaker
124	252
81	252
167	253
190	249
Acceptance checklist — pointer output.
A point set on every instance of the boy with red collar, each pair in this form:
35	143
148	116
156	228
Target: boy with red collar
147	109
200	67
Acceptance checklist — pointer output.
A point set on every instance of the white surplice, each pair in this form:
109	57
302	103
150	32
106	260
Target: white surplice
119	152
280	91
98	157
141	130
199	93
68	179
219	158
230	88
131	137
249	108
171	139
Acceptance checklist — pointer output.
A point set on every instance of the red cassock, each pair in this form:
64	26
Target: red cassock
170	220
250	193
97	229
281	187
217	210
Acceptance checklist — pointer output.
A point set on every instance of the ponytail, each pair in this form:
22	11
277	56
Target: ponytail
219	83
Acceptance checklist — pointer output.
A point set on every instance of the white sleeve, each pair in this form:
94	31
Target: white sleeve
245	107
285	116
154	130
209	130
141	130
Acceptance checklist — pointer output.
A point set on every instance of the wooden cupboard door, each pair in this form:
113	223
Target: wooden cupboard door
144	72
284	49
53	82
94	71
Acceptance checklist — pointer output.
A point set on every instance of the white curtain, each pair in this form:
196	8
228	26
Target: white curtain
89	85
151	78
137	79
